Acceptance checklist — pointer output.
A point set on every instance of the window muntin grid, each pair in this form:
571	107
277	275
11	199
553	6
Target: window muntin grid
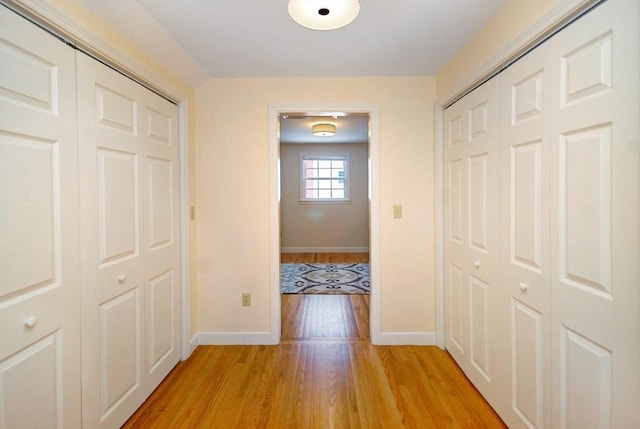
324	178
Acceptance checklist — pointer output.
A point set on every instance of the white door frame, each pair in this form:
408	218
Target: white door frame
374	208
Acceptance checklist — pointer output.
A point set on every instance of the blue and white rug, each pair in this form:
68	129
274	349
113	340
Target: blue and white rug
325	278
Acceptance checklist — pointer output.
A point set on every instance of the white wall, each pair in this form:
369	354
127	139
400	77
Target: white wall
233	194
324	225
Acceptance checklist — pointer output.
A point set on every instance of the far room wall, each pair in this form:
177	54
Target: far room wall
324	226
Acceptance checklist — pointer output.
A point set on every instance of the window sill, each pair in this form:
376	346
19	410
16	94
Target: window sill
324	201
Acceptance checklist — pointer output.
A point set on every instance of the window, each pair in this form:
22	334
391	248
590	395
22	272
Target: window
324	178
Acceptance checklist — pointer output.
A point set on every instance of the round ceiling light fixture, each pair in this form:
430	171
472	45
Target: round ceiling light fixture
324	14
323	130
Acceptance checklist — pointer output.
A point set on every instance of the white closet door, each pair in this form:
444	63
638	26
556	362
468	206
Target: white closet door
595	220
471	245
39	260
571	235
526	94
130	242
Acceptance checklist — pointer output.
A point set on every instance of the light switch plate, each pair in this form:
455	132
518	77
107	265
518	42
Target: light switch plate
397	211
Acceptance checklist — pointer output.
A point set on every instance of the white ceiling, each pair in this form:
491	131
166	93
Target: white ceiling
199	39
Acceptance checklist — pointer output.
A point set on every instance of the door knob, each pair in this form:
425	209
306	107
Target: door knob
524	286
476	264
122	278
30	321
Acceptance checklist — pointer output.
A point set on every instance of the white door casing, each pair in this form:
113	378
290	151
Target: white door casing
374	209
130	240
39	259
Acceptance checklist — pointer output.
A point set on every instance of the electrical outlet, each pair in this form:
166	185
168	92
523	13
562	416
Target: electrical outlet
246	299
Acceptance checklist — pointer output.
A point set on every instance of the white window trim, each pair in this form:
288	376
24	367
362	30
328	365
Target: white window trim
346	178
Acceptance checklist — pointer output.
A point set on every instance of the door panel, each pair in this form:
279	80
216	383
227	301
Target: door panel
526	207
118	211
480	349
456	307
524	234
32	387
595	212
120	351
527	365
129	155
585	387
162	299
471	205
39	259
162	244
478	204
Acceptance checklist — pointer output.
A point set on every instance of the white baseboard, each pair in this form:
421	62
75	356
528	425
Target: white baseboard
234	338
324	250
193	343
408	339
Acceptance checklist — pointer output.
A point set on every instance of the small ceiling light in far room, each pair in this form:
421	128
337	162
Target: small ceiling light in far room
323	130
324	14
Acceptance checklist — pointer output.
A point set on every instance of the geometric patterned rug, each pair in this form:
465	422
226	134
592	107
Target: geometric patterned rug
333	279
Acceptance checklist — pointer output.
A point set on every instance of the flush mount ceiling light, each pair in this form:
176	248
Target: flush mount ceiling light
323	130
324	14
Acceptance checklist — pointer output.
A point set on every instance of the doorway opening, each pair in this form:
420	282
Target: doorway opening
324	225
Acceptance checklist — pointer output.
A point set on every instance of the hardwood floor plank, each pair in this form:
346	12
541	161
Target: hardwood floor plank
346	384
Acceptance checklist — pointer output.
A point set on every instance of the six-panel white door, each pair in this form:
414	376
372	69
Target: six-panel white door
525	301
570	167
595	220
471	238
130	241
39	260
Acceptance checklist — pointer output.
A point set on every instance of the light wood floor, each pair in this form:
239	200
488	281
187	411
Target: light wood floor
324	317
321	376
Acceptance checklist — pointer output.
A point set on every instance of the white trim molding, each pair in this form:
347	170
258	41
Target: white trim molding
324	250
193	344
374	211
408	339
234	338
558	16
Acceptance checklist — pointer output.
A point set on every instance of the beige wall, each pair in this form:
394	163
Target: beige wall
324	224
87	23
512	21
233	194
